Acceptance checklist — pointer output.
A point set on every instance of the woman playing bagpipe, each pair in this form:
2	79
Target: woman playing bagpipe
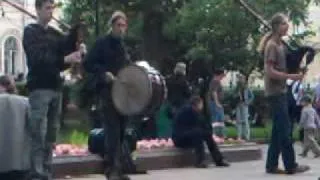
281	62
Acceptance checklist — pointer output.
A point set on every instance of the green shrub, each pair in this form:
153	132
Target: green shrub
259	104
22	89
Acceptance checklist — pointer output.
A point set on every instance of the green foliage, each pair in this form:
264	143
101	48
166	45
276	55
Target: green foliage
259	104
74	137
220	32
22	89
217	31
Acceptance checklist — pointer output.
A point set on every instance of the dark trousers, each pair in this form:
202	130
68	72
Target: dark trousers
281	139
295	114
195	139
149	128
114	125
13	175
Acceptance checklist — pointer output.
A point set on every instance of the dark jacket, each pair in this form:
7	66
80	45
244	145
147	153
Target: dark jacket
179	90
108	54
45	57
185	120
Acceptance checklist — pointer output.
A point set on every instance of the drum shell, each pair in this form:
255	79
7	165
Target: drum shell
154	90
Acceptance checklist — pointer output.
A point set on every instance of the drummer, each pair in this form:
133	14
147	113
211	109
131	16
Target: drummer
104	60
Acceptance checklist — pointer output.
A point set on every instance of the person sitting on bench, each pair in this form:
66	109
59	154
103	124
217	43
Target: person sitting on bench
14	134
189	131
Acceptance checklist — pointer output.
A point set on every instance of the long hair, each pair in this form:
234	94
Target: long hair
72	38
276	21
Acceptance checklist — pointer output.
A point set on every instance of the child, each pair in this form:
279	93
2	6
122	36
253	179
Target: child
309	122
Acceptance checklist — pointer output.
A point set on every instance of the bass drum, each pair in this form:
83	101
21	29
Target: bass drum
139	89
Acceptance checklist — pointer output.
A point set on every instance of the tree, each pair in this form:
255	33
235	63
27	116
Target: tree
147	19
218	32
224	34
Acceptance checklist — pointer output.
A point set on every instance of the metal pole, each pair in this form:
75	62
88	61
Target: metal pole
97	17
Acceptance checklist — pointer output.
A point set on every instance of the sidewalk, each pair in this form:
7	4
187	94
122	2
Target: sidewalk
238	171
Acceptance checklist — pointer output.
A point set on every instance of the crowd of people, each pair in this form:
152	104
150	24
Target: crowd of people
196	113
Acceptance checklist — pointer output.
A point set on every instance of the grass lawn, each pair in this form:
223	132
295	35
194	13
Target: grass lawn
258	133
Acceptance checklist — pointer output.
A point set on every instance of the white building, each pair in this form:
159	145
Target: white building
12	22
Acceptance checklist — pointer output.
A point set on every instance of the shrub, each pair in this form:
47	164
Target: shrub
258	106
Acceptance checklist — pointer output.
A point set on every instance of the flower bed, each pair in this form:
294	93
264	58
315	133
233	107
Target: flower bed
82	150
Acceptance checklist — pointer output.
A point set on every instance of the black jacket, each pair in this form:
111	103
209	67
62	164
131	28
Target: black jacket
45	57
187	119
179	90
108	54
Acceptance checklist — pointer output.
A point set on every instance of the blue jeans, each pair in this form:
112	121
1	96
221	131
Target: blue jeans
43	125
281	139
217	115
243	126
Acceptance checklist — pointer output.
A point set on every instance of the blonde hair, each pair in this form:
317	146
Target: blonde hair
276	20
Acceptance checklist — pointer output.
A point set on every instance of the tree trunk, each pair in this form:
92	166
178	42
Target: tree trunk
153	40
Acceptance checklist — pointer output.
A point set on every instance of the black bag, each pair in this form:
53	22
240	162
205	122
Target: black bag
96	146
96	141
97	136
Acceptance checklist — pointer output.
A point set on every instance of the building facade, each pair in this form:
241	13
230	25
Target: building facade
12	23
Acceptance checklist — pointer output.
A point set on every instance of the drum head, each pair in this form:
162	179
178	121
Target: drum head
132	90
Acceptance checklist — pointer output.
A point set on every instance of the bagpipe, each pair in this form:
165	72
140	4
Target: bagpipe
295	55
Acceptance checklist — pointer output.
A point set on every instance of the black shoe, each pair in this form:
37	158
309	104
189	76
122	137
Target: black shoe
298	169
114	178
223	163
275	171
138	172
123	177
201	165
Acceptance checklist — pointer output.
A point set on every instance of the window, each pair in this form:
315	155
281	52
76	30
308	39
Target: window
11	56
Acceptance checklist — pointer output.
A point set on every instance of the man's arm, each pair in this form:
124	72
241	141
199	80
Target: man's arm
92	62
215	97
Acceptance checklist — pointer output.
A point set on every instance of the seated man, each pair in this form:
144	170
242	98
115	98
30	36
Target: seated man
189	131
14	139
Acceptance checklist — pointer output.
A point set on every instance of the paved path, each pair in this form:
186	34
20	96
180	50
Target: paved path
253	170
